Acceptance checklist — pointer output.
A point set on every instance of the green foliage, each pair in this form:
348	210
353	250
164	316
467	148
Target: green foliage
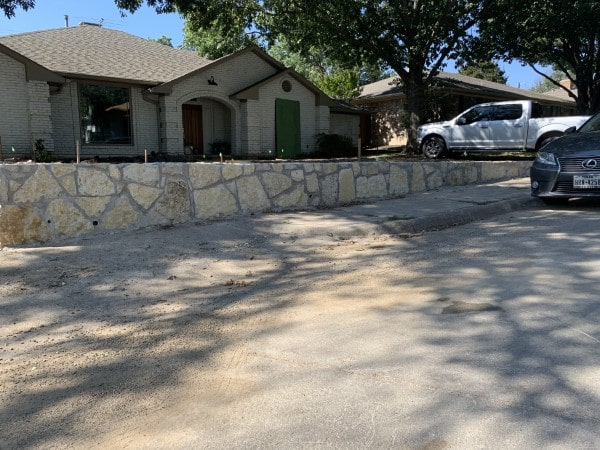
560	33
484	70
549	82
334	146
331	77
164	40
213	41
9	6
341	84
40	153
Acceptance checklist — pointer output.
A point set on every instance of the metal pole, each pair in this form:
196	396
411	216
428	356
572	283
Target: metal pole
78	150
359	148
1	154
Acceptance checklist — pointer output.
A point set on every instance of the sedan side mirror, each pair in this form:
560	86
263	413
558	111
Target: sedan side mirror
570	130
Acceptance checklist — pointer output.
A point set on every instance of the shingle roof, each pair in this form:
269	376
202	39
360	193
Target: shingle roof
389	87
95	52
560	93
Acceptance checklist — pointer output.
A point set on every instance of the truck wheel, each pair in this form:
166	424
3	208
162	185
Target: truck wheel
433	147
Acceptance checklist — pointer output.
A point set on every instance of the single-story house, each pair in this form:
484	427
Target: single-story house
453	93
118	95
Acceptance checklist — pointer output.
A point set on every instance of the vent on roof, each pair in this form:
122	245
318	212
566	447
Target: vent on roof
90	24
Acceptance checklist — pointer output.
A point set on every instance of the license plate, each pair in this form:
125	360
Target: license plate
586	181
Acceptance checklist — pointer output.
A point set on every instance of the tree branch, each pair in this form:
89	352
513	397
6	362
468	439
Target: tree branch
556	83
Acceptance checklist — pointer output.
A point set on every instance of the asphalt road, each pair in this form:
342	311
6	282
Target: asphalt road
226	336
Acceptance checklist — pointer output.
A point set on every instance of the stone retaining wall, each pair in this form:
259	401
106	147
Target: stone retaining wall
42	202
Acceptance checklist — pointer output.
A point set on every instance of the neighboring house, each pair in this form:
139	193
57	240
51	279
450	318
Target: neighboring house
119	95
561	93
453	93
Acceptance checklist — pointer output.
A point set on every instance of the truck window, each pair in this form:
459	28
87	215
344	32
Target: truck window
476	114
508	112
537	111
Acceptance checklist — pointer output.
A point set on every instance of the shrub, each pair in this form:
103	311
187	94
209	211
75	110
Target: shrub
222	147
334	146
40	154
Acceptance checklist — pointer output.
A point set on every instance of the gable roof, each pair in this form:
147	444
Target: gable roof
94	52
251	92
165	88
33	70
389	88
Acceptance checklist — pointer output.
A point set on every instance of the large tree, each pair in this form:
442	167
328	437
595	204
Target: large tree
563	34
414	38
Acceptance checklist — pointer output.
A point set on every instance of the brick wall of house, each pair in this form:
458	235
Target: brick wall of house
40	113
14	108
323	120
145	122
65	117
252	124
346	125
387	123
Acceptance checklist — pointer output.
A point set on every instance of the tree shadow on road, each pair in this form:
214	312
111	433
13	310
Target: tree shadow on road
104	329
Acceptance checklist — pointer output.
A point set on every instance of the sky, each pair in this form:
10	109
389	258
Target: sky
146	23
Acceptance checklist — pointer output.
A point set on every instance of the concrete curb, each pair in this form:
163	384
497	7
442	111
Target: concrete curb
431	222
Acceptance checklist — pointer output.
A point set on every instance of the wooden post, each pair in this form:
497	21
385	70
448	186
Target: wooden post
78	150
359	148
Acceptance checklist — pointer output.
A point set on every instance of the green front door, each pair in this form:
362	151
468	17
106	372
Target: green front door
287	128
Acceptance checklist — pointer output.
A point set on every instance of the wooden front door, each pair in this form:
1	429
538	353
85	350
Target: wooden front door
192	127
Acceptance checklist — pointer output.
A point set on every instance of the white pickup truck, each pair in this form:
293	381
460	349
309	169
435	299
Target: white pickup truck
501	126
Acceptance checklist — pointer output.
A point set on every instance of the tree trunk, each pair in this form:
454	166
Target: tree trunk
415	101
585	92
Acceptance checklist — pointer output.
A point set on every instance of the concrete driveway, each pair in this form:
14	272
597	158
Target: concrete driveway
242	334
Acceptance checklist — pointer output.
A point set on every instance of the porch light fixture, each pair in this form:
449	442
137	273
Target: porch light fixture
212	82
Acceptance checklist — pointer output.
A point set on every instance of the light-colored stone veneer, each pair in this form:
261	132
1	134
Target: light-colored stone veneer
41	202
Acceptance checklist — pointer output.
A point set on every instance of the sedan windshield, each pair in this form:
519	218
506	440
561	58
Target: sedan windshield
593	124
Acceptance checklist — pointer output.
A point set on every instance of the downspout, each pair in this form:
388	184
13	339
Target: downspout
146	97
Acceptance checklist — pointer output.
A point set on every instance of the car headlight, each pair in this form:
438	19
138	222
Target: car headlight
546	158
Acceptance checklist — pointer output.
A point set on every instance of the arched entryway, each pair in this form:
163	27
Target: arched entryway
207	127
